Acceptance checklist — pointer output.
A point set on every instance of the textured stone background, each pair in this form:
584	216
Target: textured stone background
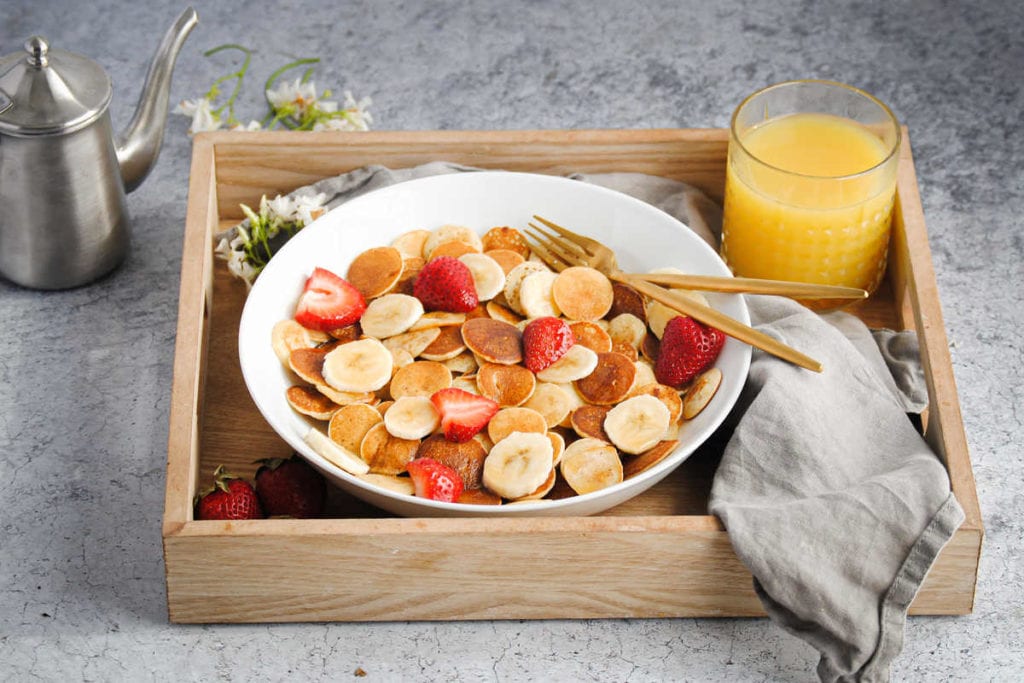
85	375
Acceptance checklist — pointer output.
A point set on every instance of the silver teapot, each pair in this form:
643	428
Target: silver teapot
63	174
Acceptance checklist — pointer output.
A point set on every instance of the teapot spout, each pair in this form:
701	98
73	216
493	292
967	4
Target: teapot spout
139	145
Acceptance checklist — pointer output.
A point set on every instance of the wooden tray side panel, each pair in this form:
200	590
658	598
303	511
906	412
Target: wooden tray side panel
643	572
277	162
194	311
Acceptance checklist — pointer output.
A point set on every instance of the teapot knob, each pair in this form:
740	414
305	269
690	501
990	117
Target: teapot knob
37	47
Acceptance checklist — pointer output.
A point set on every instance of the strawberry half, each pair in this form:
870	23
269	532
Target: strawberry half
545	340
434	480
687	348
446	284
328	302
229	498
462	414
290	488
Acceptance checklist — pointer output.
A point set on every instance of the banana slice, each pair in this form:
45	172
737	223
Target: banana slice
637	423
644	376
414	343
437	319
514	281
535	295
541	490
288	335
626	328
390	482
667	395
411	417
700	394
363	365
577	363
590	465
488	277
518	464
390	314
450	233
334	453
410	244
658	315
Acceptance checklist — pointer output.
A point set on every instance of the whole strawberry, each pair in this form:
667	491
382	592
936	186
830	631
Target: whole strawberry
545	340
687	348
446	284
228	498
290	488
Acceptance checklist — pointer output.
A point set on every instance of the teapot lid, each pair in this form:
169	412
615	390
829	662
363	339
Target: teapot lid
48	92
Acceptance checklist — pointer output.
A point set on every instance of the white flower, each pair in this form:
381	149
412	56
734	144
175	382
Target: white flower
252	125
309	207
280	206
296	94
203	117
354	116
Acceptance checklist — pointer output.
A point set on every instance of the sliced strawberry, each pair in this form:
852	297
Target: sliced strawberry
462	414
545	340
328	302
435	480
687	348
446	284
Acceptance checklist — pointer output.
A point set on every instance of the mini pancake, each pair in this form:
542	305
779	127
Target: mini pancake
449	233
499	312
386	454
411	243
493	340
349	425
464	363
644	376
610	381
308	364
551	401
414	343
504	237
665	394
627	300
560	490
309	401
411	267
479	312
506	385
541	490
375	271
704	388
508	420
383	406
420	378
626	349
633	465
591	335
448	344
453	248
348	333
588	421
582	293
557	446
479	497
465	458
437	319
506	258
650	348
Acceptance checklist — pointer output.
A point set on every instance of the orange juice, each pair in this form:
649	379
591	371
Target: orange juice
809	197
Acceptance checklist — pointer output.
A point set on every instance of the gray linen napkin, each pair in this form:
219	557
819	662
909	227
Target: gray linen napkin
831	499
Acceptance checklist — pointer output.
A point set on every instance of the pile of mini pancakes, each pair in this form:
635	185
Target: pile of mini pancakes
601	412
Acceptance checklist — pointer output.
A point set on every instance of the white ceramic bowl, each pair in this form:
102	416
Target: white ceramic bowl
643	237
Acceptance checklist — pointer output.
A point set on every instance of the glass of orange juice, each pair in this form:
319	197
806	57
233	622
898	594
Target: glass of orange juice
810	185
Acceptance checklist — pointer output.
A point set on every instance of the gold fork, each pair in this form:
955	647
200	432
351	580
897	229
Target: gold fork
570	249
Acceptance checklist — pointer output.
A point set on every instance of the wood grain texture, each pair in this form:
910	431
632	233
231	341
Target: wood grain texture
657	555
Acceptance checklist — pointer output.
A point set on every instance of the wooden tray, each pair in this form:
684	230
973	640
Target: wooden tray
658	555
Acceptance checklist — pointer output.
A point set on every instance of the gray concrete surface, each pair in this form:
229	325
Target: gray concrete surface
85	375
